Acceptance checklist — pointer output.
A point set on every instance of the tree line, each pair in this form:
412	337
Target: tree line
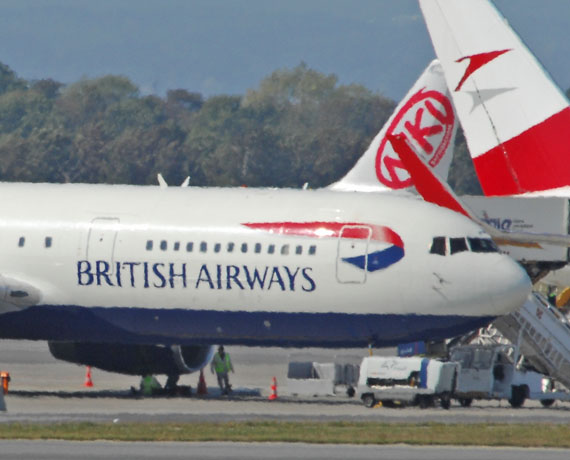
297	126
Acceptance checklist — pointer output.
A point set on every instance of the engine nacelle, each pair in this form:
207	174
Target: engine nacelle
135	359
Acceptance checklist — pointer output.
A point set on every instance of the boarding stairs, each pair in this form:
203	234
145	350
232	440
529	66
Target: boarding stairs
543	335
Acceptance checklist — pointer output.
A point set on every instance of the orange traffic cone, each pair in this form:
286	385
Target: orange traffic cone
202	388
5	377
88	382
273	387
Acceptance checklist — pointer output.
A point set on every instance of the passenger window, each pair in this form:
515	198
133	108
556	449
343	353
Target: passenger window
257	248
285	249
203	246
163	245
149	245
438	246
457	245
217	247
48	241
177	246
231	247
312	250
189	246
271	249
21	242
244	247
299	250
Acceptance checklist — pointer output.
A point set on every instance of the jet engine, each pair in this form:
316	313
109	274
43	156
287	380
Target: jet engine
135	359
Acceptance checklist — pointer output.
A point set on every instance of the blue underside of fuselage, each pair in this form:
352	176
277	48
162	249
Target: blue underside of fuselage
185	327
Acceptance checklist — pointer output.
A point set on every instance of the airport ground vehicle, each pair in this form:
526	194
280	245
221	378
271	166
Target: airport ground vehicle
412	380
491	372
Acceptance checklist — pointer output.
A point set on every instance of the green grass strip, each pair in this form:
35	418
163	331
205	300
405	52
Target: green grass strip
521	435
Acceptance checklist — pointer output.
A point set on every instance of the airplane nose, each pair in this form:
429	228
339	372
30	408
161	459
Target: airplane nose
510	286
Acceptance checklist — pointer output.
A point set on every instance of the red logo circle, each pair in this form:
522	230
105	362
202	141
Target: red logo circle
427	121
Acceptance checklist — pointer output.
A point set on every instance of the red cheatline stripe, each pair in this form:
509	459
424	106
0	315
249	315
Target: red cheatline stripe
537	159
330	229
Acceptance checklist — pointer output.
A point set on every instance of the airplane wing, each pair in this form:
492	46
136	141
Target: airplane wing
434	190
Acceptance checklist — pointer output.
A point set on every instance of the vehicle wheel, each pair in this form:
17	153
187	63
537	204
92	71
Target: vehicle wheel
465	402
547	402
518	396
425	401
445	401
368	400
350	392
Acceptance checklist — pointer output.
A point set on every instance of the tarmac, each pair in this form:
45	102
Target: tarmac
45	390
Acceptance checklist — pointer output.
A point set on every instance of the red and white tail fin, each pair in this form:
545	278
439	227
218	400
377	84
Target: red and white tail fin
426	117
514	116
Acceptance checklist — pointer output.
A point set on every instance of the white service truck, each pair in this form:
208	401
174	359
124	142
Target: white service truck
490	372
414	380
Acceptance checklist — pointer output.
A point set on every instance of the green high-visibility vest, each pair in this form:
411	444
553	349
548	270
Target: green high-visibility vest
222	365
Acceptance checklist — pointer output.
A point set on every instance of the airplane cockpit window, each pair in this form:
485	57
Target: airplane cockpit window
457	245
438	246
482	245
21	242
149	245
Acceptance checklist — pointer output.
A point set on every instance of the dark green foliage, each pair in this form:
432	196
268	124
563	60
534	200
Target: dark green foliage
298	126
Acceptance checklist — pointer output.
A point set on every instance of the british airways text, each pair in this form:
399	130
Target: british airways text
170	275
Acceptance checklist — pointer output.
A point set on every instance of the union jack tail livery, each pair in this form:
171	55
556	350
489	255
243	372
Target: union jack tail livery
514	116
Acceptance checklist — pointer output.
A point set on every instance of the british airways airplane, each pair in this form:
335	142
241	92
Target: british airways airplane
147	279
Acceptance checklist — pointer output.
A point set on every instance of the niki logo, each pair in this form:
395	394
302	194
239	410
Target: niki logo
427	120
385	247
476	61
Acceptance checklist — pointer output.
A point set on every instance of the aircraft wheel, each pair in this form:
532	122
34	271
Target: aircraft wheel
547	402
465	402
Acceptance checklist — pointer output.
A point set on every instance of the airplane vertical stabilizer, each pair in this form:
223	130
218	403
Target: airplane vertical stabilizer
427	119
514	116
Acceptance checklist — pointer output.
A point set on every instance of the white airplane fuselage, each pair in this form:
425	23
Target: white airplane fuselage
100	263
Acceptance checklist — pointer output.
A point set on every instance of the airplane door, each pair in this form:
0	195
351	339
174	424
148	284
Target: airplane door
101	239
352	256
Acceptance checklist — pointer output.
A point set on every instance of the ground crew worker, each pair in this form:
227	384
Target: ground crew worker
222	365
150	386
